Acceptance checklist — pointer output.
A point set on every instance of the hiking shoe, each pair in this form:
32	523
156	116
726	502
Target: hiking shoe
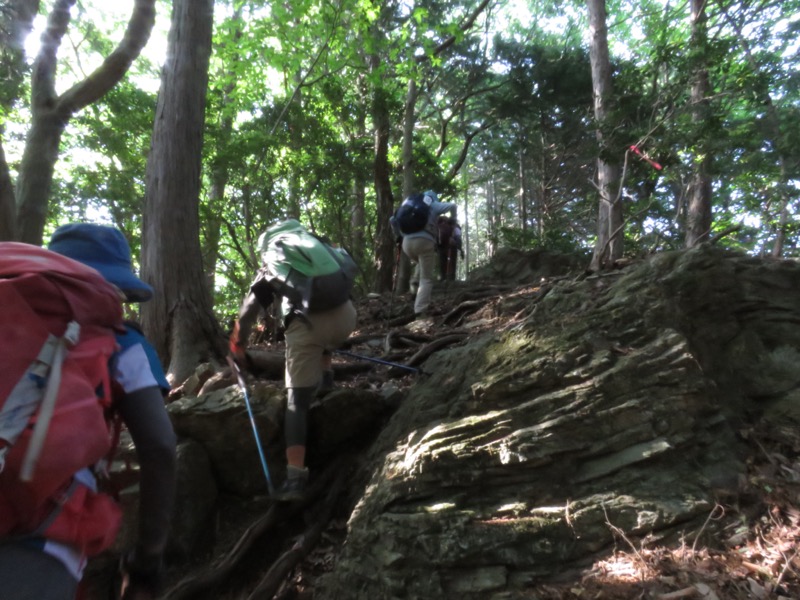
293	487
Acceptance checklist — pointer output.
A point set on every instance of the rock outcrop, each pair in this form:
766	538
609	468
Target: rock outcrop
607	411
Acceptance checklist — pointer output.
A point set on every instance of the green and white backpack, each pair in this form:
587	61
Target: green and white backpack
303	268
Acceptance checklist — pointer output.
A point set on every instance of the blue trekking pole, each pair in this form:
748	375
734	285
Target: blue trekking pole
240	379
377	360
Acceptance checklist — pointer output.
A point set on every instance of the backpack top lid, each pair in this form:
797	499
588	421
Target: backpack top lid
306	270
289	246
106	250
287	226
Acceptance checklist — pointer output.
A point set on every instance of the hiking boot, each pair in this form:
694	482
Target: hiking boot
293	487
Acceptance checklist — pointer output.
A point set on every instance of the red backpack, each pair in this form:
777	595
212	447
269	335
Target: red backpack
57	326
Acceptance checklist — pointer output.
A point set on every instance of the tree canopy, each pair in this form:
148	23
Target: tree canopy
329	111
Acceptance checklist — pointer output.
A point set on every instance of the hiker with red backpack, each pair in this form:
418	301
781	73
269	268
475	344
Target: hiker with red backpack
312	281
416	221
449	247
92	370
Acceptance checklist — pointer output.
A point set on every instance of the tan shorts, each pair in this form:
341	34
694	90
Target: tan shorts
305	342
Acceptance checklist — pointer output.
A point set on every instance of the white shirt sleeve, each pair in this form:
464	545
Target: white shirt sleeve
133	371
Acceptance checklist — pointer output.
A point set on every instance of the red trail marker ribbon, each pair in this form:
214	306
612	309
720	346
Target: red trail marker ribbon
652	163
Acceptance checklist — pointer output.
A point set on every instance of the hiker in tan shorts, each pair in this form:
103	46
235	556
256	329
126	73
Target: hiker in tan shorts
313	284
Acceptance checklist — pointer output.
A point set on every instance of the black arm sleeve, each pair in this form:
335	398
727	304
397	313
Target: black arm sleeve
144	414
261	296
263	292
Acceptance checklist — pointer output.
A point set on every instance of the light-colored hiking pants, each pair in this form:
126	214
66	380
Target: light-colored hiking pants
422	250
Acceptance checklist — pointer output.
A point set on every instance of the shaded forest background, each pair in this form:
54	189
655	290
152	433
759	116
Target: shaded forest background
608	128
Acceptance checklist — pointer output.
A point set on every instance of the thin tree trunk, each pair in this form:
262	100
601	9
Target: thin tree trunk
211	224
7	204
358	218
296	128
492	205
409	123
523	204
698	215
384	244
609	244
403	268
179	320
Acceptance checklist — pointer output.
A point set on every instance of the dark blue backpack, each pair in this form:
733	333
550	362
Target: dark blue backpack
413	214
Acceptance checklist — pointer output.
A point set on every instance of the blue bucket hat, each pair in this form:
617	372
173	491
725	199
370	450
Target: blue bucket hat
106	250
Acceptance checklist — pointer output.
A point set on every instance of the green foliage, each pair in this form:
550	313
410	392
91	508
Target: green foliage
288	126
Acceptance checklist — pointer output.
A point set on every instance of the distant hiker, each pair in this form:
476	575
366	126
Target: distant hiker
415	220
313	281
449	246
46	542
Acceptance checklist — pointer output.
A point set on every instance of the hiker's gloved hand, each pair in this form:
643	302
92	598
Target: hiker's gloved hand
142	576
237	348
238	351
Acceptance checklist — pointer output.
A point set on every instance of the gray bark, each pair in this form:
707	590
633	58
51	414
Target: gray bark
609	219
698	216
383	187
179	320
17	18
51	112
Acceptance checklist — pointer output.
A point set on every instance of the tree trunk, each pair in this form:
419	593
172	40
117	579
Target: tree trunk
698	216
7	204
492	206
50	112
409	122
384	244
465	225
18	18
523	184
179	320
403	266
609	244
36	174
296	128
358	217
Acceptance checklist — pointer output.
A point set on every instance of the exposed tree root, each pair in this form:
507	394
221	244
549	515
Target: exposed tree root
202	585
280	569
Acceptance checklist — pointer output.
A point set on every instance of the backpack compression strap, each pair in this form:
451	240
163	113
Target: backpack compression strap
47	407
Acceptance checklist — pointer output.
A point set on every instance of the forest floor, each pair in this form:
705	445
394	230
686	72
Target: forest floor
757	557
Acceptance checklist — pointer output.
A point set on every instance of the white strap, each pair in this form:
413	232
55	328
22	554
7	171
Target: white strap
48	402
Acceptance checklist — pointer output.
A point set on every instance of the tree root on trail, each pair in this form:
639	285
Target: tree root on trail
482	293
280	569
401	339
204	585
455	316
197	586
423	353
360	339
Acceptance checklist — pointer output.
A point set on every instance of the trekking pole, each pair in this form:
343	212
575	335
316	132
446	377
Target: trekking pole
240	379
378	360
